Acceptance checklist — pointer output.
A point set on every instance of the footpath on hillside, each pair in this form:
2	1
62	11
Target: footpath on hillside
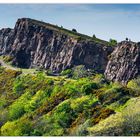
32	71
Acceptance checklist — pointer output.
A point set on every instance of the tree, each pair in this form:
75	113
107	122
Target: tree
93	36
74	30
126	39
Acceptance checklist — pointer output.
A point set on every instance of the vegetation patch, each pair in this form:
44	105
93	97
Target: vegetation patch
35	104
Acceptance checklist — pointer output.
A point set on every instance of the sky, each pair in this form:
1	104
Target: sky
116	21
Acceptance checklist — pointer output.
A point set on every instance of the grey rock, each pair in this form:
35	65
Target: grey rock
124	63
35	44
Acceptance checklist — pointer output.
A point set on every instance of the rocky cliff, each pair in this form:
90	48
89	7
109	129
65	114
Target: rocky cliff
37	44
124	63
6	40
34	43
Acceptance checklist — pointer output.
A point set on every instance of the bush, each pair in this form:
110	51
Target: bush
20	127
36	101
99	78
66	72
57	122
8	129
114	93
16	110
40	76
18	86
50	82
74	30
82	103
112	42
94	36
131	115
80	72
89	87
134	85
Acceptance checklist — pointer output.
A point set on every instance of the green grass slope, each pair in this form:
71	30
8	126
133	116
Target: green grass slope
34	104
67	32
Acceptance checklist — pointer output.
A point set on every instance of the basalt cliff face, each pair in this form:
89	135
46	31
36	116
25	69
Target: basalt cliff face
6	40
124	63
36	44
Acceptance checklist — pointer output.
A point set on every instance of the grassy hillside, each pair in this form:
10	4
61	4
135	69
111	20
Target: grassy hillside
74	34
34	104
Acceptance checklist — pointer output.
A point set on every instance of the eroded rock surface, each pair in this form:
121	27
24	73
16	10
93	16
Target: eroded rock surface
124	63
6	40
35	44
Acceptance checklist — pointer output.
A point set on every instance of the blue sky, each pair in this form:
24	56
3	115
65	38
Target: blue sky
106	21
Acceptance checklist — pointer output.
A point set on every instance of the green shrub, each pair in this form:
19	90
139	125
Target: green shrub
112	42
134	85
50	82
89	87
16	110
20	127
82	103
40	75
80	72
8	129
66	72
18	86
114	92
36	101
56	122
131	115
99	78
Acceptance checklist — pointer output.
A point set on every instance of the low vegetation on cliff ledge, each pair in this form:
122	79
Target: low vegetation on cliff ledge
34	104
72	32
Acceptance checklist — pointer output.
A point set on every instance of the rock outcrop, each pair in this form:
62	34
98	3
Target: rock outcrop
6	40
36	44
124	63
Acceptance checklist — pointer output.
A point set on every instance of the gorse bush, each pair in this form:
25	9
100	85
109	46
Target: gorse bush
83	103
17	109
36	100
18	86
89	87
21	127
66	72
134	85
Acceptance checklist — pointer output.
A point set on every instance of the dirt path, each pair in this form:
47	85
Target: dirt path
33	71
